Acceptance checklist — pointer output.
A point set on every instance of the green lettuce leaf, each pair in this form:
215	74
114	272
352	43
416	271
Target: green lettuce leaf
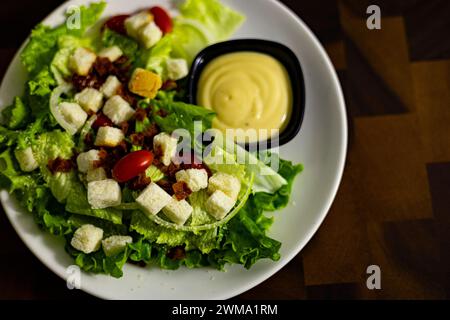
11	177
77	203
66	45
180	115
17	115
51	145
220	20
7	137
279	199
109	228
42	45
98	262
129	47
205	241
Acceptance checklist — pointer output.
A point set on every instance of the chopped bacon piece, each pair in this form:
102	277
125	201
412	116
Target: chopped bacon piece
124	126
151	131
172	169
127	95
137	139
89	140
140	114
59	165
121	61
176	253
101	121
169	85
89	81
162	113
191	161
181	190
197	166
104	67
140	182
122	148
166	185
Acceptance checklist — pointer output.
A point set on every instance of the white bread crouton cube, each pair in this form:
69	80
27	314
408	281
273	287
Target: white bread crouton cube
87	238
96	174
26	159
168	146
112	53
196	179
219	204
118	110
90	99
73	114
227	183
150	34
85	160
110	87
153	199
178	211
81	61
134	23
115	244
104	194
108	137
177	68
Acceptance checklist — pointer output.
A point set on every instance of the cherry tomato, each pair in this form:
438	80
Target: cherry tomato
132	165
117	23
162	19
101	121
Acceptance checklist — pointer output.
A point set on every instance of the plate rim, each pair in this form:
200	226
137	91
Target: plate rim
327	203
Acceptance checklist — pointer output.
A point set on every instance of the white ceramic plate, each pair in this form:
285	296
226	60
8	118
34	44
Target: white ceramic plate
320	146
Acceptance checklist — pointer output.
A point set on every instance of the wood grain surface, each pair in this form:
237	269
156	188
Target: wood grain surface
393	207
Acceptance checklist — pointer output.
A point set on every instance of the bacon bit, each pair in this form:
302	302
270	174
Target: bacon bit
140	182
162	113
191	161
89	140
141	264
137	139
198	166
149	134
101	121
104	67
181	190
166	185
121	61
103	155
176	253
82	82
151	131
172	169
122	147
59	165
124	126
140	114
127	95
169	85
156	162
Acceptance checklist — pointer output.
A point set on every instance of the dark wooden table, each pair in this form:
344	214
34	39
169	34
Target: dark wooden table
393	207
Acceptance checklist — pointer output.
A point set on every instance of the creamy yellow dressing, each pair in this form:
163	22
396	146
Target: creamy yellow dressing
247	90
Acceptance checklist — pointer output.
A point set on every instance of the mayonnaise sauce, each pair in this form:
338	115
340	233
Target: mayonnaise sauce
247	90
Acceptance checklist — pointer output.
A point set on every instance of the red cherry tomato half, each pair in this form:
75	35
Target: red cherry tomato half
117	23
132	165
101	121
162	19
